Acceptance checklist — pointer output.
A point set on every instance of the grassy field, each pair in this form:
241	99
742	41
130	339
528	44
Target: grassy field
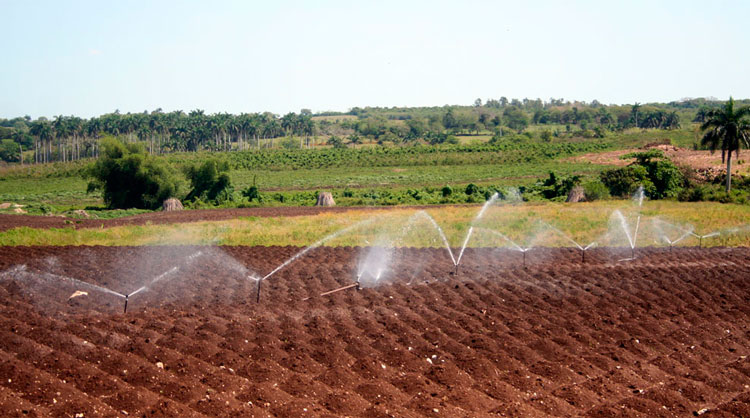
383	175
60	194
583	222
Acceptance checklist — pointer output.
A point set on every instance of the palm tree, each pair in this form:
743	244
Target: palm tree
634	112
729	130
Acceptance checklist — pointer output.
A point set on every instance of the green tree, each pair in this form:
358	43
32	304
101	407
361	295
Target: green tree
515	118
10	151
727	128
336	142
209	181
634	113
130	178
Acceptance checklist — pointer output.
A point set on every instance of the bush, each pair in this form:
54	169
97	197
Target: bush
625	181
471	189
251	193
209	181
595	190
446	190
667	179
130	178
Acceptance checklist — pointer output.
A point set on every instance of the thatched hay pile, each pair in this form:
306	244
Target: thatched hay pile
172	204
576	195
325	199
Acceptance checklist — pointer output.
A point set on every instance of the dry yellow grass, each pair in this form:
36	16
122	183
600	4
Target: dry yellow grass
583	222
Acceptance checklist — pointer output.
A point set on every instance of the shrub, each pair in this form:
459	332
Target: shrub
130	178
446	190
209	180
251	193
595	190
625	181
471	189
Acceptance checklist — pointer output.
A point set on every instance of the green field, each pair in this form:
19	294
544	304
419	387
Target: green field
371	175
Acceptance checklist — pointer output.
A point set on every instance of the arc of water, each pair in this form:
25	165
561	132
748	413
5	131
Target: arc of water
471	228
685	232
80	283
442	236
463	246
625	227
505	237
564	235
160	277
315	245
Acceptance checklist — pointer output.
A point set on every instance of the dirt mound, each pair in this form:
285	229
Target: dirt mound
664	335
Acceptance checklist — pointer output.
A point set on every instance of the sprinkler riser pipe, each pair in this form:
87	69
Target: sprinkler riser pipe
126	304
257	296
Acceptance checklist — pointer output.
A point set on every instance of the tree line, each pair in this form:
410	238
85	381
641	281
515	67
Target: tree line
69	138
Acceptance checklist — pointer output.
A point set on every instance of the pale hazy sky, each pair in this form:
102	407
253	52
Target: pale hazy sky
92	57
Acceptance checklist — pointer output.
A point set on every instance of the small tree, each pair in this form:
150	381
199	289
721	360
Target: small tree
336	142
130	178
209	180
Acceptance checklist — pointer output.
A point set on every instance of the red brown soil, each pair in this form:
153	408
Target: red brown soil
664	335
702	161
8	221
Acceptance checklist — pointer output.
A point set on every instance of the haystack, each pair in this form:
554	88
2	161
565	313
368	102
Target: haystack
82	213
172	204
325	199
576	195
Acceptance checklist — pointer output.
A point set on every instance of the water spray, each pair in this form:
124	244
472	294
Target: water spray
471	228
700	237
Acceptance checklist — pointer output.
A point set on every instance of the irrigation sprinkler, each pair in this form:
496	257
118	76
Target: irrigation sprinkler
700	237
524	258
339	289
126	304
257	295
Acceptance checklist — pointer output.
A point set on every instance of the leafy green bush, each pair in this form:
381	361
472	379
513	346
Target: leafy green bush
667	179
595	190
210	181
130	178
251	193
471	189
446	191
623	182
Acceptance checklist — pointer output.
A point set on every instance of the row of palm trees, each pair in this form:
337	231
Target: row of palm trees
68	138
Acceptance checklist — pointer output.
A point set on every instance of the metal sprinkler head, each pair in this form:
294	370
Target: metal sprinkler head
257	295
126	304
583	256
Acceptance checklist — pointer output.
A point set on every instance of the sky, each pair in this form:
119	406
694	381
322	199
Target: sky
88	58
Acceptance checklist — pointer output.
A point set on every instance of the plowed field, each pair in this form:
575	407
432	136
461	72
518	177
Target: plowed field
665	334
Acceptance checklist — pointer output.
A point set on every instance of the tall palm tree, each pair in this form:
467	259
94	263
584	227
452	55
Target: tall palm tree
727	128
634	113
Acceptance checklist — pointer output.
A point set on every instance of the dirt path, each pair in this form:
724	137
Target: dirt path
15	221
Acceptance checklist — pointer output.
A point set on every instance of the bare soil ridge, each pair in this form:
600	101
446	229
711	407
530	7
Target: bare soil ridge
664	335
